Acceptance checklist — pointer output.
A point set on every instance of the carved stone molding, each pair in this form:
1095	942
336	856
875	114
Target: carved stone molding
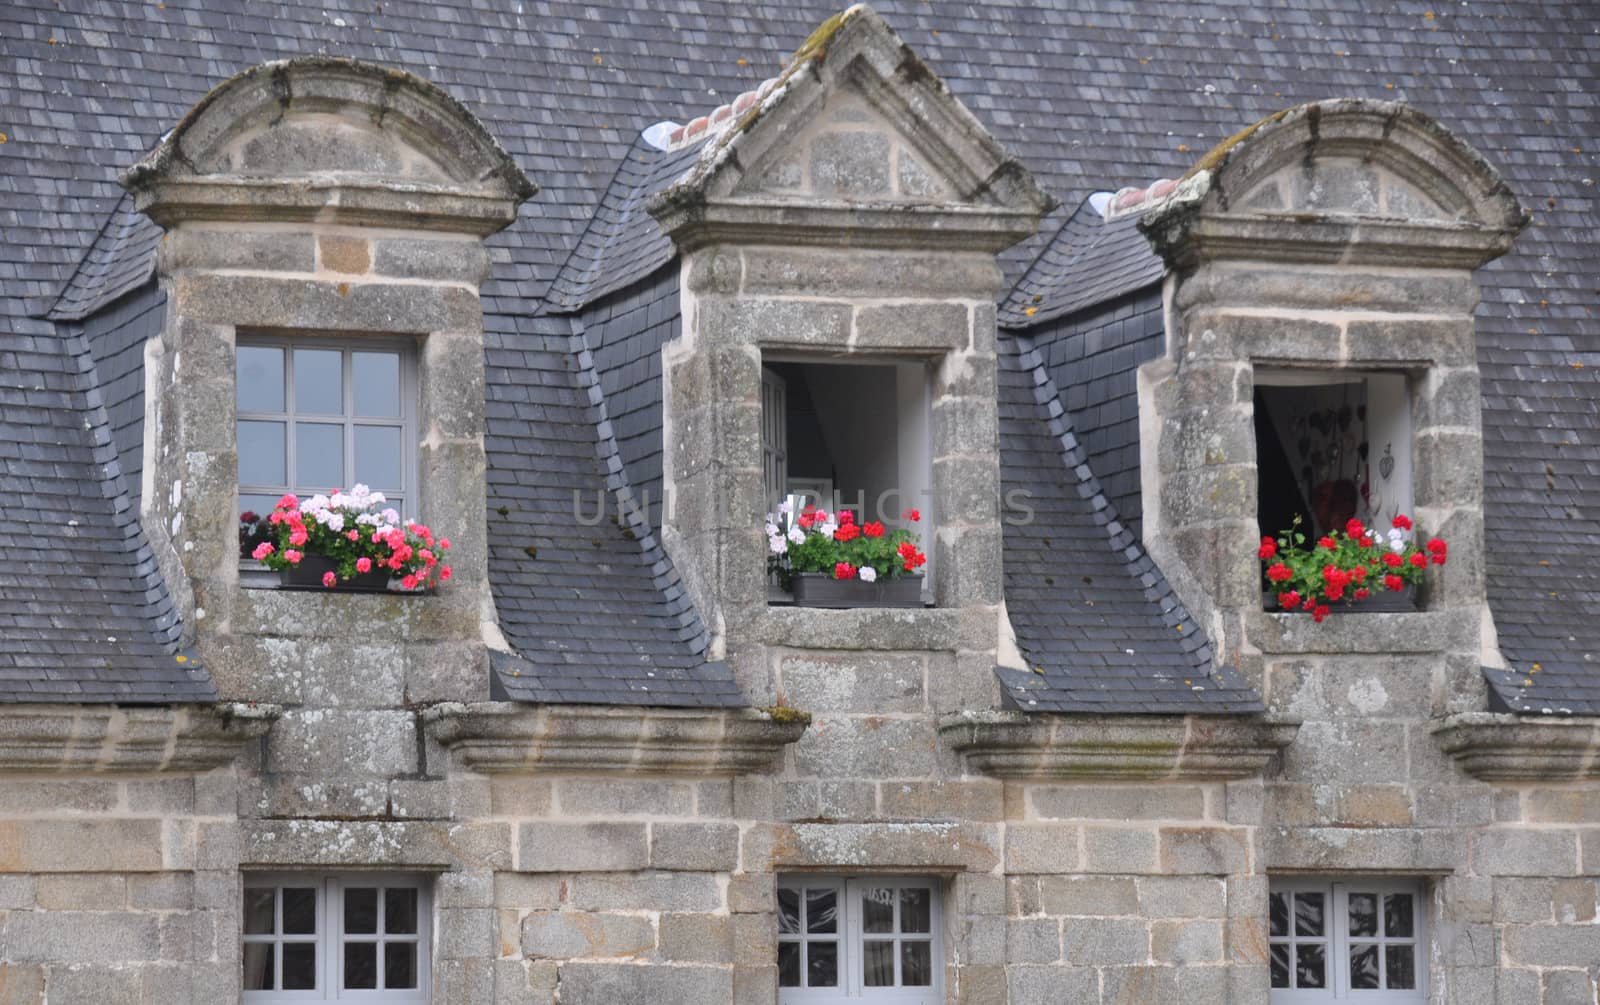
502	737
1017	745
100	739
1501	747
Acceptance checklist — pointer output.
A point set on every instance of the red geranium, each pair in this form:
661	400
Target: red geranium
844	570
1402	522
1328	543
873	529
1393	582
1314	572
1418	559
1269	548
1279	573
1354	528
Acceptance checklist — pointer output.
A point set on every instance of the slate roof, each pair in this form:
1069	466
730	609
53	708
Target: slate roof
1087	95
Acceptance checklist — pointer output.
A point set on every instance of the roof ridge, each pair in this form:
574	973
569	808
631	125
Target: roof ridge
1128	200
717	121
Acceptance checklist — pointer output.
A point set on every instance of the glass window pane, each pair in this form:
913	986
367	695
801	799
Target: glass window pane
1310	967
1364	914
916	964
789	912
319	456
877	909
258	377
1308	914
877	964
258	966
400	965
375	381
262	456
1280	965
378	457
1278	914
821	908
299	911
400	911
1397	920
299	966
822	964
788	964
258	911
360	965
1401	963
914	913
1364	967
361	910
319	381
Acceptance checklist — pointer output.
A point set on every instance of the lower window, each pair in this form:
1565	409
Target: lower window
1347	939
843	938
346	937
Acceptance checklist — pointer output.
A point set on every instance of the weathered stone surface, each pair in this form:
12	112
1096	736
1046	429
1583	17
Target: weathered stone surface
700	847
567	934
582	847
623	984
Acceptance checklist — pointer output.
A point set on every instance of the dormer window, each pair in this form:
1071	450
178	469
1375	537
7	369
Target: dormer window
316	415
1330	447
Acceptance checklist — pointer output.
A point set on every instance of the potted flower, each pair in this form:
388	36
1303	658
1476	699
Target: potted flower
350	541
832	560
1359	567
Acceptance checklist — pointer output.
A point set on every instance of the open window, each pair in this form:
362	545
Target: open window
1331	446
849	436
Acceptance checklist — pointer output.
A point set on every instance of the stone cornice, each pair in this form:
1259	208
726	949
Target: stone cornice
107	739
1016	745
1502	747
502	737
693	221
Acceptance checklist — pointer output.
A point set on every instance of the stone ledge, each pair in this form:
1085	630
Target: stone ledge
99	739
1362	633
883	629
1507	747
1017	745
505	737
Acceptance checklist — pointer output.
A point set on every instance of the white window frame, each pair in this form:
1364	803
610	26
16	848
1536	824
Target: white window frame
330	937
1336	898
408	391
851	941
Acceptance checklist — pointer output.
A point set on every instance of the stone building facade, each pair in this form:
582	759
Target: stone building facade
1093	762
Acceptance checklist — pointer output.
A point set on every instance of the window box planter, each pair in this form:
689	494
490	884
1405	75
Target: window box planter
308	576
1382	602
818	589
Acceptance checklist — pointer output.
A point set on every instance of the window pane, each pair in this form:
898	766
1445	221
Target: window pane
821	907
1310	967
400	911
916	965
789	912
1280	965
258	912
822	964
262	457
1278	914
788	964
877	964
360	910
877	909
378	457
400	965
1308	914
1401	963
299	911
319	381
1364	914
1397	915
299	966
258	966
360	965
914	913
1364	967
375	381
258	375
319	456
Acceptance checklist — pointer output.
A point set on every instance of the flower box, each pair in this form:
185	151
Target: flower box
1383	602
818	589
308	576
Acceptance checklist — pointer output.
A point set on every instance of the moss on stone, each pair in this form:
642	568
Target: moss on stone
785	714
1217	154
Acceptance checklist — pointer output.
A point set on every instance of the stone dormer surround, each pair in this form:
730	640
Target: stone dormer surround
1333	236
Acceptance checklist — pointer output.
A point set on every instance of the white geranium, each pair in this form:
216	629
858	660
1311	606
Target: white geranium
777	544
391	518
867	574
797	535
828	528
772	528
786	508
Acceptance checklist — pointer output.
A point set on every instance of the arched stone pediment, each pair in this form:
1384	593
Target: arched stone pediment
317	138
1336	179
